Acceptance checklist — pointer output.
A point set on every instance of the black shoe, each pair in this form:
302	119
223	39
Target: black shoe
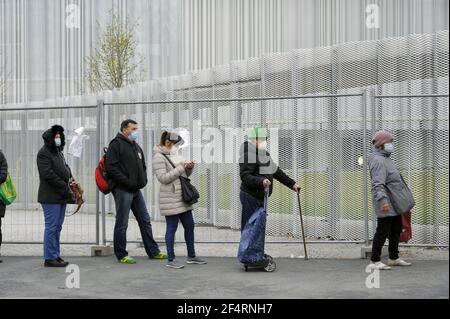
55	263
60	260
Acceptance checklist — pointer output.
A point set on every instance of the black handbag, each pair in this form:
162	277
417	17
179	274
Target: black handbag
189	192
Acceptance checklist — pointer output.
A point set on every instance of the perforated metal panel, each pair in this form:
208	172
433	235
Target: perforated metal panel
420	126
320	140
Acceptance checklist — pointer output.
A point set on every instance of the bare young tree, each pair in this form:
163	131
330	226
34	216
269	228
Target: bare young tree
113	63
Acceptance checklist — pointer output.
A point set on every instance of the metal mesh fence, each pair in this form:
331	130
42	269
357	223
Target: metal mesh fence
320	140
20	141
420	125
423	165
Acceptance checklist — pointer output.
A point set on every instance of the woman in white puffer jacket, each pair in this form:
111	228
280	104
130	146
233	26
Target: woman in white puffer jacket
171	202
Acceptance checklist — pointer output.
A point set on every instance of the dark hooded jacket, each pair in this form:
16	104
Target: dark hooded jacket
54	173
255	166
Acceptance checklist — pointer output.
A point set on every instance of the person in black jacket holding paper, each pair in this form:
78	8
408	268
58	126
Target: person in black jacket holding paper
3	176
257	171
125	166
54	192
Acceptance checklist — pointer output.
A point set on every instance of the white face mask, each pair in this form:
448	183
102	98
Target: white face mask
389	148
174	150
262	145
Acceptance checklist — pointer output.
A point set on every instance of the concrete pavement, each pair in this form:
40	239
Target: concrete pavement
103	277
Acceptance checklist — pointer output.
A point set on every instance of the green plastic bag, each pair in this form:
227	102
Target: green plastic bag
7	192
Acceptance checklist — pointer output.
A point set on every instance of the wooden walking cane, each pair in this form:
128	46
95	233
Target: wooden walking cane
301	223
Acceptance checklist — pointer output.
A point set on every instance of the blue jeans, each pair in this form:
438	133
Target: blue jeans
249	205
54	218
187	220
134	201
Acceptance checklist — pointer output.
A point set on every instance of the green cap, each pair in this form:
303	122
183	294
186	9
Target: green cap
257	132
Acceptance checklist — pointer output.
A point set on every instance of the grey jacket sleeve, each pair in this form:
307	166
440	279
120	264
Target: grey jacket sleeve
378	173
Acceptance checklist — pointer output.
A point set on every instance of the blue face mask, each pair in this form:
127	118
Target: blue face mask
58	142
389	148
134	136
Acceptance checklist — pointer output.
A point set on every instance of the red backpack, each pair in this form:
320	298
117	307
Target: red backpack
101	177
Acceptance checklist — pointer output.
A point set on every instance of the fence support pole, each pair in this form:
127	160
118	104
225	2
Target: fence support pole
365	168
103	197
103	249
373	128
97	193
100	109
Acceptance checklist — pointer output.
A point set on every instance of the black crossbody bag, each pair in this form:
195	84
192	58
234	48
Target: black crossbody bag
190	193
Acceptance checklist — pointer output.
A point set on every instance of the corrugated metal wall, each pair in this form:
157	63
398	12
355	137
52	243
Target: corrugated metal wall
42	47
43	44
218	31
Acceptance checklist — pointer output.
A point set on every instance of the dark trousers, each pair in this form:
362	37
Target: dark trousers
125	202
387	227
249	205
187	220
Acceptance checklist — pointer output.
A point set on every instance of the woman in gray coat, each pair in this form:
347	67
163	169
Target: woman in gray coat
383	171
171	204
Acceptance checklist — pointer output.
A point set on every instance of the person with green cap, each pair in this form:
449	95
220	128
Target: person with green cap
257	171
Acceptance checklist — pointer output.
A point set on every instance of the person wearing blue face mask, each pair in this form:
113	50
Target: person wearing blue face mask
134	136
54	192
125	166
389	222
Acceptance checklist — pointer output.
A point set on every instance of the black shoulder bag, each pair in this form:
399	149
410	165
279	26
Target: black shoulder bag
190	193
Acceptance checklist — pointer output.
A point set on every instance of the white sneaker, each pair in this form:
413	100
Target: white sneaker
398	262
379	265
